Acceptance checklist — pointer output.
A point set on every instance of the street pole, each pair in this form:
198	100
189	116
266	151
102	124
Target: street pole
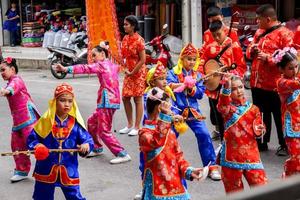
196	23
186	22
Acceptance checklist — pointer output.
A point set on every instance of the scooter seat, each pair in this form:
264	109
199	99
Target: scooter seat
67	49
52	48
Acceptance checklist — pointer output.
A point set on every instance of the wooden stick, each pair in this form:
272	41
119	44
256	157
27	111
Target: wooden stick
224	73
164	101
28	152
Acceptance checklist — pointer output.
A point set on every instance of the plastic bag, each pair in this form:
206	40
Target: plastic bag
57	39
64	39
50	39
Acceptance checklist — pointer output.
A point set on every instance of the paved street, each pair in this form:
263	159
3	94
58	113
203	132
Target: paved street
99	179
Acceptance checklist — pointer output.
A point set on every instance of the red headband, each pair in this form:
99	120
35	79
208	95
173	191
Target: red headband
63	88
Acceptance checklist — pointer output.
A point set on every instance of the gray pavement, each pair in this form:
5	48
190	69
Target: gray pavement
99	179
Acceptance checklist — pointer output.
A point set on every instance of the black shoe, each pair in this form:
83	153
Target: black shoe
263	147
215	135
282	151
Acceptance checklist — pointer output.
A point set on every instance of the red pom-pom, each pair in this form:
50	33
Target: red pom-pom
41	152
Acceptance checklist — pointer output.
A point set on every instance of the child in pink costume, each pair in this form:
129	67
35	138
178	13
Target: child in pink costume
100	123
24	114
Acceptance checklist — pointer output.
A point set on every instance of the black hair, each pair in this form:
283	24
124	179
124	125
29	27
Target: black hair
152	103
215	26
266	10
286	58
100	49
133	21
13	64
213	11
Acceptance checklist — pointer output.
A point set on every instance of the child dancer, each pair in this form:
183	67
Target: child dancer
156	77
288	87
100	123
164	162
185	75
243	123
61	127
24	114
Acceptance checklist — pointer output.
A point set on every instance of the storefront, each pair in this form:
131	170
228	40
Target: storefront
186	18
39	16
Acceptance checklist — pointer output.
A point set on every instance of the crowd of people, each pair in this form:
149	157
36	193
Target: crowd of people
169	101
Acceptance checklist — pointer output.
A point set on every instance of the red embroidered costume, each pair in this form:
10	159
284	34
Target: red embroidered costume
164	162
233	54
289	92
239	154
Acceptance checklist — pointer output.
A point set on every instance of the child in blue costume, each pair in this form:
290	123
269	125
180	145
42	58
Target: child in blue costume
61	127
184	76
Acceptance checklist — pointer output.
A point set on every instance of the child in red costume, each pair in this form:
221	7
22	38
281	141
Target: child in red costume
243	123
165	166
288	87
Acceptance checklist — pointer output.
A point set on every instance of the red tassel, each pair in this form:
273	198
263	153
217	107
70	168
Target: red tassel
41	152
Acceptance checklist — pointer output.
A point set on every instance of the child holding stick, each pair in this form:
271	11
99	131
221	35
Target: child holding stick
239	154
61	127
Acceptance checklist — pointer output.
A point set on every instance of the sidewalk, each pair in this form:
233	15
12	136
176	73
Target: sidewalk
35	58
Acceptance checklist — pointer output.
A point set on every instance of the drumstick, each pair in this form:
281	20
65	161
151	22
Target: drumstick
262	120
153	97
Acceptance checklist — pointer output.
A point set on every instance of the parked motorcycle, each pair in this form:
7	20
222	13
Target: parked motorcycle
68	56
245	40
158	50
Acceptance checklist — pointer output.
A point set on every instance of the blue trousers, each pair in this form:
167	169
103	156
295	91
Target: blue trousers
205	145
45	191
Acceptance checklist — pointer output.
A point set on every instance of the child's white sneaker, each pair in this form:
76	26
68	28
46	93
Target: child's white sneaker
133	132
125	130
16	178
214	174
138	196
120	159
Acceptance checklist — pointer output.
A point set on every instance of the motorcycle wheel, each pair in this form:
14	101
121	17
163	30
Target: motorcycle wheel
58	75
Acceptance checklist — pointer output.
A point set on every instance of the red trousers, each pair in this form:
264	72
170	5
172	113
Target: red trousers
232	178
292	165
